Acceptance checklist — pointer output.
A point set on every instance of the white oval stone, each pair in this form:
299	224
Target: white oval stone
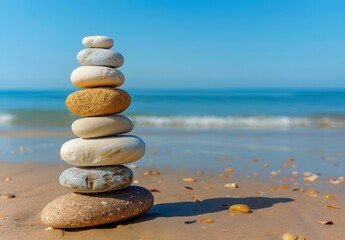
114	150
100	57
92	127
98	42
96	179
96	76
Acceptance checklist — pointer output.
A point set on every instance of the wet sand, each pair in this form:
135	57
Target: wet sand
179	206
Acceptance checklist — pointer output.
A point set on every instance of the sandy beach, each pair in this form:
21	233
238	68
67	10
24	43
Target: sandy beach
172	120
283	195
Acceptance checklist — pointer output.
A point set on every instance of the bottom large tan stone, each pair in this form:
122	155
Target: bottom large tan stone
76	210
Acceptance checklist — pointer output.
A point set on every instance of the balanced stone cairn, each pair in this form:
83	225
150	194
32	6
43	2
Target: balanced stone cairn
101	186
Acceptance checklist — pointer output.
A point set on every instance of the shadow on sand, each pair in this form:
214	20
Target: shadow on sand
189	209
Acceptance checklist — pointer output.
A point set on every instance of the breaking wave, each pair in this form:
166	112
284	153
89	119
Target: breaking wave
6	118
63	118
239	122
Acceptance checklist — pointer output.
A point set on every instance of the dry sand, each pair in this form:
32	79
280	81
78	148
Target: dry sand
177	210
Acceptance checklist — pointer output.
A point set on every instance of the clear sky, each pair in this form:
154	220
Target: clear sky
178	43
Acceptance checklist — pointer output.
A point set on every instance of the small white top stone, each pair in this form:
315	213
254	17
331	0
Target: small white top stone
98	42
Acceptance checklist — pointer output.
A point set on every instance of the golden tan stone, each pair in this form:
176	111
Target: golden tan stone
98	101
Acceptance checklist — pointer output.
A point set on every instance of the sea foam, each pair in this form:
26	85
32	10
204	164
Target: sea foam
236	121
6	118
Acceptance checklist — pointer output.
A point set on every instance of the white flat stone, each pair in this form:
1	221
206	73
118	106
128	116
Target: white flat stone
96	76
92	127
96	179
114	150
98	42
100	57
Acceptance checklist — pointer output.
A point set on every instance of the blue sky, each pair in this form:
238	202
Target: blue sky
178	43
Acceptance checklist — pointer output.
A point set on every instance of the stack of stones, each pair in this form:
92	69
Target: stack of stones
101	186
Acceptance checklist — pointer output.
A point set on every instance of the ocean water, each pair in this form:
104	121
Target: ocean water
205	109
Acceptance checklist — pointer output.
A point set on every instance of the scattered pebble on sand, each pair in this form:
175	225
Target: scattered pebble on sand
240	208
196	198
133	166
231	185
327	222
298	190
312	191
189	180
336	180
229	170
329	196
7	195
311	178
8	179
206	221
223	175
284	186
151	173
189	188
289	236
331	206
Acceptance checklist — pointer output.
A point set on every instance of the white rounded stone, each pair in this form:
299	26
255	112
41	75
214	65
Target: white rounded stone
92	127
96	76
100	57
114	150
98	42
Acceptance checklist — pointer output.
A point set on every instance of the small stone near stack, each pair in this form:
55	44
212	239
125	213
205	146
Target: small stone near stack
100	185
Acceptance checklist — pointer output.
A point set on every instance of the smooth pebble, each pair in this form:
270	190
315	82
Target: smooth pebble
289	236
240	208
96	179
98	42
98	101
100	57
77	210
96	76
92	127
113	150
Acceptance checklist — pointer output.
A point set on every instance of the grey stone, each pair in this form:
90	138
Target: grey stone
96	179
